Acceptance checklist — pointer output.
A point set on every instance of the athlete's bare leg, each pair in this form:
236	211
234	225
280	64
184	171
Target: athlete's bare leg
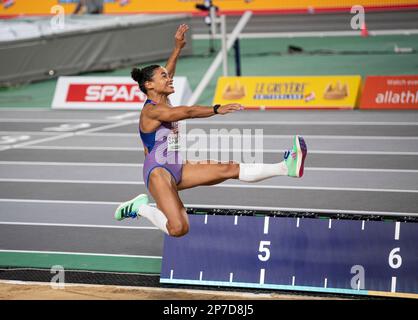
164	191
206	173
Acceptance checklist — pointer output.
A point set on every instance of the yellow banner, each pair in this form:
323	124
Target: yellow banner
289	92
43	7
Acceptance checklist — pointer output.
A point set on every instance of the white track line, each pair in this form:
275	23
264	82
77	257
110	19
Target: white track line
73	225
25	109
221	185
310	34
74	148
138	165
194	150
42	120
87	164
217	122
319	123
266	136
71	202
28	133
80	253
221	206
66	135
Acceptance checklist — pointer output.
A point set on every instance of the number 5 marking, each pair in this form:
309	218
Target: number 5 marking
264	249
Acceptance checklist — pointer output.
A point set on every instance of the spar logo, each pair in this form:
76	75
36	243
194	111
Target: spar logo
105	92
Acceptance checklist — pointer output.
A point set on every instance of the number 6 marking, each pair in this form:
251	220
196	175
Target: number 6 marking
395	257
263	249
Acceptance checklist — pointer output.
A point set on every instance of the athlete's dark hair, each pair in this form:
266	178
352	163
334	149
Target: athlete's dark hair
143	75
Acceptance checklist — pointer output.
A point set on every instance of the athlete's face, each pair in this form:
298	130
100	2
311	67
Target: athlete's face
161	81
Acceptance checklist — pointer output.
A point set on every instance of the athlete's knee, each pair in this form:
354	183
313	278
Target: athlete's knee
230	170
178	228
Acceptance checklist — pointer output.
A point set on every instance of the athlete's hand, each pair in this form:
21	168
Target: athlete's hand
229	108
179	36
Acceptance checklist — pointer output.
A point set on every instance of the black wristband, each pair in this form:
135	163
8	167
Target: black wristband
215	108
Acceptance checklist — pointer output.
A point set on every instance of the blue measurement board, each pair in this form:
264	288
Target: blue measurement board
299	254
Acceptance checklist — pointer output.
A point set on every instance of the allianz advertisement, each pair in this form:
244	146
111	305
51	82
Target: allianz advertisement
329	92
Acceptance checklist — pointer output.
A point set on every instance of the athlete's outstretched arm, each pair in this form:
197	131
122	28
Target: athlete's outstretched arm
164	113
180	42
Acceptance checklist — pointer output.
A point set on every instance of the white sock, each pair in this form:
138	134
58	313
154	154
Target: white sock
154	215
254	172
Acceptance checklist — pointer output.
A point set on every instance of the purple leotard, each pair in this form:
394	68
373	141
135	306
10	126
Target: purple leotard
158	154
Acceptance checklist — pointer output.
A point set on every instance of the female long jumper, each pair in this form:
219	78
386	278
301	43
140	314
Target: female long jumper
165	173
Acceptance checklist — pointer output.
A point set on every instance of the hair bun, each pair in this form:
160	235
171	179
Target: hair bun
137	74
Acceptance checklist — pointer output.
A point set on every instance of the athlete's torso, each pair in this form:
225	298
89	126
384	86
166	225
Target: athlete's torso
164	137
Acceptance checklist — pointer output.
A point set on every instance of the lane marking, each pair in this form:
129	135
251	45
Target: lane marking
123	116
329	224
266	224
309	34
297	222
81	254
293	280
66	135
87	164
222	185
393	285
201	276
116	164
325	282
42	120
362	225
361	170
397	230
267	136
231	277
262	275
28	146
41	224
206	219
223	206
324	123
82	148
30	133
171	274
257	122
66	127
236	220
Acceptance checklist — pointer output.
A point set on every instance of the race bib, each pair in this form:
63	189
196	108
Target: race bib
173	139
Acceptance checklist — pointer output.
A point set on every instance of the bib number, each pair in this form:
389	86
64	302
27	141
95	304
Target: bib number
173	139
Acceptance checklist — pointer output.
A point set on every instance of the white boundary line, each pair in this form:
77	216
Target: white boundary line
87	164
82	148
310	34
25	109
221	185
267	136
220	206
49	120
28	133
322	123
72	225
139	165
28	146
70	202
68	134
230	122
80	253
